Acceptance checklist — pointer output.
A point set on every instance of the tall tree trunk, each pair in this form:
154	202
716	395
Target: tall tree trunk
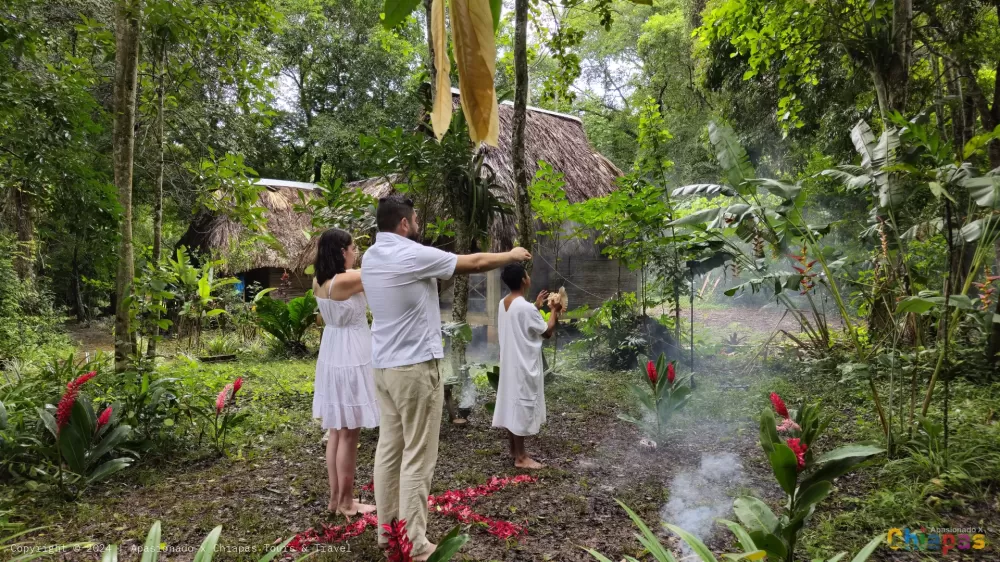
525	224
81	311
891	73
24	262
127	15
158	196
431	69
460	302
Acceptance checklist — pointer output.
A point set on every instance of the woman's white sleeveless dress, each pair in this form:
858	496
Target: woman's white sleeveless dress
344	394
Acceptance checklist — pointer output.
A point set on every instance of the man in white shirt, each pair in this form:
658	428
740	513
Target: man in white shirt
400	279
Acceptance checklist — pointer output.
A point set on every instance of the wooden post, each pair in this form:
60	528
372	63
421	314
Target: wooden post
492	304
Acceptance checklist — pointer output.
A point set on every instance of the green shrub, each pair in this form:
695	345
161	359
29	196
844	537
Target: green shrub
287	322
28	320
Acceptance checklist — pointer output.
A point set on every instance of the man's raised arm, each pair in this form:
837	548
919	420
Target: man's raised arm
478	263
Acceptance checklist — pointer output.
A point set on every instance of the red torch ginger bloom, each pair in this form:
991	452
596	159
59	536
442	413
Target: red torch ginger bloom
799	448
220	401
400	547
80	380
651	372
104	418
65	407
670	373
237	385
779	405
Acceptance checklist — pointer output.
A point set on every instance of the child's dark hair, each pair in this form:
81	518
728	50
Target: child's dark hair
330	254
513	275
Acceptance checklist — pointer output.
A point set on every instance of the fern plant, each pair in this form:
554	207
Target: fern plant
287	322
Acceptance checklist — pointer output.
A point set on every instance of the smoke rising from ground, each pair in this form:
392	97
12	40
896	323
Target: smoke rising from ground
698	497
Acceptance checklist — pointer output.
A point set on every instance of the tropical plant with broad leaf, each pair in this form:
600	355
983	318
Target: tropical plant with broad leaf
197	289
86	444
287	322
662	394
751	551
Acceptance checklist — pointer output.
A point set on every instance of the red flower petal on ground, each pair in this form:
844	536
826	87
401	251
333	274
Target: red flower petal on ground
670	373
779	405
799	449
651	372
104	418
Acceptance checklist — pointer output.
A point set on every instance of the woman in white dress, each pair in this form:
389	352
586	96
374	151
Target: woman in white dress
344	396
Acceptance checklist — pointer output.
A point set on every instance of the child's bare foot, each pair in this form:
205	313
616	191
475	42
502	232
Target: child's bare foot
427	553
528	463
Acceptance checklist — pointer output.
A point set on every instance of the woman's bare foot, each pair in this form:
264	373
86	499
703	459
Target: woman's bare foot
427	554
528	463
356	508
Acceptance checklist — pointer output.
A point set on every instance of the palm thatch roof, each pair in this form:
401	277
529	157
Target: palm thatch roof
222	236
555	138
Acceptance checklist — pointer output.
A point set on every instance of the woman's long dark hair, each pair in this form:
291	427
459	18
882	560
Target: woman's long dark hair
330	254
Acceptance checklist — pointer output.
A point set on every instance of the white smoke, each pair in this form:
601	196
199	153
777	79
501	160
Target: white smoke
698	497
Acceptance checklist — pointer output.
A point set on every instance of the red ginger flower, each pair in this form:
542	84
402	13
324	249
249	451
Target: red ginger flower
220	400
651	372
670	373
104	418
779	405
80	380
237	385
65	407
799	448
400	547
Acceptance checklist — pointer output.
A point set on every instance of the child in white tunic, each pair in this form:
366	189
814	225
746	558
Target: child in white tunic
520	405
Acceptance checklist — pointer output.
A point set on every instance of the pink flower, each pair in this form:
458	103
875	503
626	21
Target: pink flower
651	372
670	373
779	405
237	385
788	425
104	418
220	401
799	448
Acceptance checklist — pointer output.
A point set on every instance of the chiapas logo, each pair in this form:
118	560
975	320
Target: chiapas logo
945	541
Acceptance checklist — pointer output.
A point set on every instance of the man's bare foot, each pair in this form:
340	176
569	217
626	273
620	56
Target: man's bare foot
528	463
427	553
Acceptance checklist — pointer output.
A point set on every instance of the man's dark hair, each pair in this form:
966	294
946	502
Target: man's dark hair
391	211
513	275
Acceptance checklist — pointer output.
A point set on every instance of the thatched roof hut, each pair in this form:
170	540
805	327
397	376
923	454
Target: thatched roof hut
226	238
555	138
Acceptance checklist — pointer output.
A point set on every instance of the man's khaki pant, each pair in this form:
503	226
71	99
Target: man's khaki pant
409	400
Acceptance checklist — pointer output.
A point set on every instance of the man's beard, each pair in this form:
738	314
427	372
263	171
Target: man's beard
414	235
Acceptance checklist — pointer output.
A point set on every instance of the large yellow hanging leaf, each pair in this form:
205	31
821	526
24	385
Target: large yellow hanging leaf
441	115
475	55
